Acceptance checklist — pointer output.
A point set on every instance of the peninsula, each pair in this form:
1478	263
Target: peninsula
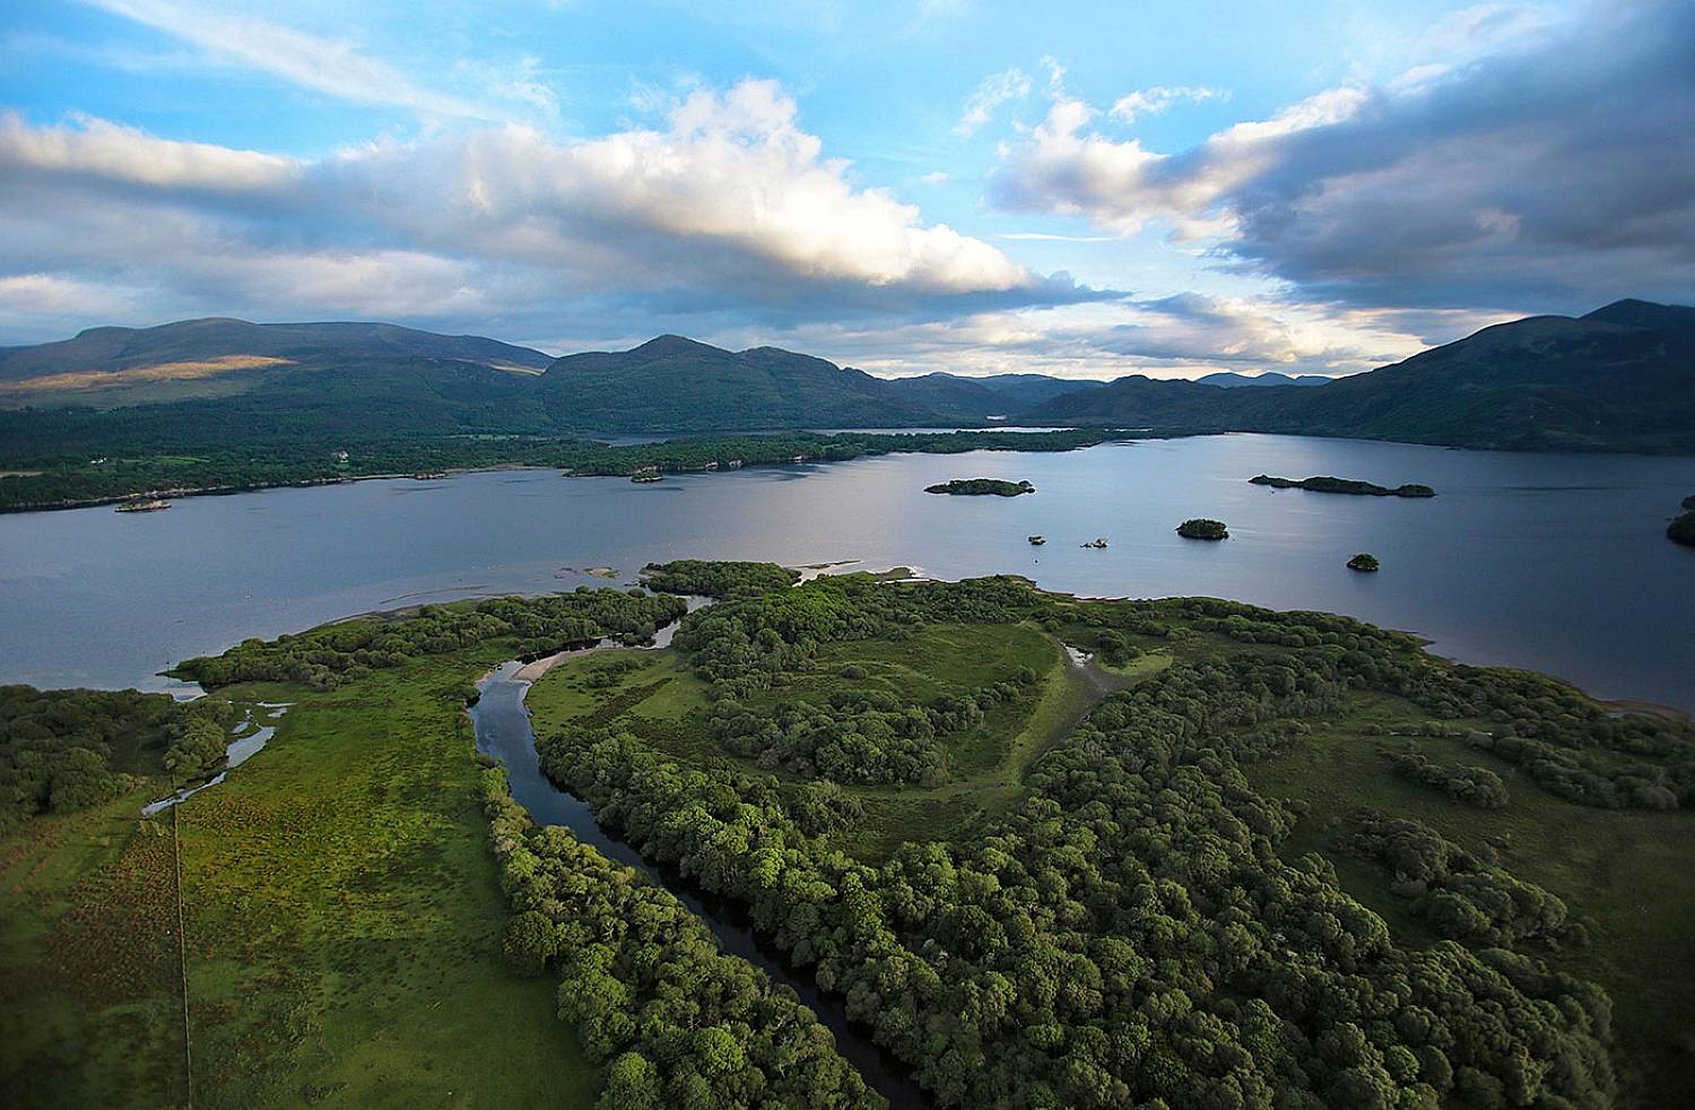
974	753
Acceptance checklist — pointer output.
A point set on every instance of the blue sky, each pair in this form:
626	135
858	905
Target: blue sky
1079	189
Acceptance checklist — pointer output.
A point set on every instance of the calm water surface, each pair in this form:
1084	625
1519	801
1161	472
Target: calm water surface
1553	562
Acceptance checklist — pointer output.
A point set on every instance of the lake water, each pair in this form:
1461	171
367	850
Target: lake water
1553	562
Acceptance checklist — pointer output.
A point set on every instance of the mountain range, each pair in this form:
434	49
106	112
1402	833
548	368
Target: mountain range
1619	378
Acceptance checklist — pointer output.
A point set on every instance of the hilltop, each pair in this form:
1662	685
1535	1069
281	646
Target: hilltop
673	384
1621	378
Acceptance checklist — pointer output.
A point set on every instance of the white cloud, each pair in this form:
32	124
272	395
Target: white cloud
102	149
1476	30
1161	98
729	206
995	90
1173	337
39	294
732	177
336	67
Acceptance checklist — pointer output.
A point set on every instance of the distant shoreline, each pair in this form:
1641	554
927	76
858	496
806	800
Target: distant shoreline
661	458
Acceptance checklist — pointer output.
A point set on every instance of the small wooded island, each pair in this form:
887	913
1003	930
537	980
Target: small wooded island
1326	484
1201	528
1681	529
979	487
1364	561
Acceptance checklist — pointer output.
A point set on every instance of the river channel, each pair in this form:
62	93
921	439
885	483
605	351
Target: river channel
502	723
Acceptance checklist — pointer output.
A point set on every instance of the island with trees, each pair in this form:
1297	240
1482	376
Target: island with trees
1043	850
1682	528
1324	484
1365	562
981	487
1202	528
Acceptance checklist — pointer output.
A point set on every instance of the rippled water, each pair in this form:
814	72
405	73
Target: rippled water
1554	562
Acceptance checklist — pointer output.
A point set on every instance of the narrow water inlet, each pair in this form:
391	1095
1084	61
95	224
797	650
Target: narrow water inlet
503	730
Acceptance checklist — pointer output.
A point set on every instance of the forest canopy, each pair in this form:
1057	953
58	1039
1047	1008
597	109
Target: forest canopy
65	750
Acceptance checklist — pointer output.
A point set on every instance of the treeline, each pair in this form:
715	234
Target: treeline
118	473
1457	894
674	1021
1562	740
1474	786
722	451
334	654
64	750
719	579
108	470
1567	743
1129	933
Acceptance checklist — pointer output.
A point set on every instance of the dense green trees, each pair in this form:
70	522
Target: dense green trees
676	1022
326	657
979	487
1132	930
62	750
1457	894
851	734
719	579
1326	484
1200	528
1568	744
1475	786
71	456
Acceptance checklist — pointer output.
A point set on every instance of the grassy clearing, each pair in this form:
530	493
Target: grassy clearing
652	694
1628	871
344	926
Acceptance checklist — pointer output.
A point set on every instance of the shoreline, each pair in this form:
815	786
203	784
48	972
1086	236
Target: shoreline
536	668
1097	436
186	492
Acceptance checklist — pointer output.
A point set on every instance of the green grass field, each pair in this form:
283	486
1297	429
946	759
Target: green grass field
344	925
1628	871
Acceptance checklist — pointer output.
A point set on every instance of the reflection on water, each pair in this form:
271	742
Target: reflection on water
1555	562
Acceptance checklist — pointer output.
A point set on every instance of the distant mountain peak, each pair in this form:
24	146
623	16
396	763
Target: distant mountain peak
668	345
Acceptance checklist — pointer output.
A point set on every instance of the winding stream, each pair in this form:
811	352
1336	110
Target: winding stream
250	739
502	723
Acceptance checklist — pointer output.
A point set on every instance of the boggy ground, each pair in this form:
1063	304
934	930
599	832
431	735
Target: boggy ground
343	925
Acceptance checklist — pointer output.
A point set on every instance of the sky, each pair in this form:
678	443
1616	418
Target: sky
1079	189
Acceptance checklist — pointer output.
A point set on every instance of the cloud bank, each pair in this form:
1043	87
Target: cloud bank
730	204
1539	168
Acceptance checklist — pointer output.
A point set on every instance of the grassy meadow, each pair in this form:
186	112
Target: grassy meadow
343	924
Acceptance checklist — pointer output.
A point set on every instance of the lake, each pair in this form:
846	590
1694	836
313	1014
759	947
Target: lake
1558	563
